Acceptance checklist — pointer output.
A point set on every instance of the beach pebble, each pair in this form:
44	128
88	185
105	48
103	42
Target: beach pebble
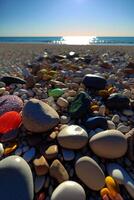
51	152
94	81
68	155
9	136
69	190
10	79
128	113
109	144
64	119
39	182
1	150
111	124
117	101
116	118
18	151
17	171
72	137
2	84
95	180
57	92
29	155
72	93
41	166
10	103
96	122
130	139
2	90
79	106
123	128
37	116
122	177
58	171
63	103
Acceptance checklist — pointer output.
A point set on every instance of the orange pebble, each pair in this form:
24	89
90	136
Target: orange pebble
111	185
10	149
104	191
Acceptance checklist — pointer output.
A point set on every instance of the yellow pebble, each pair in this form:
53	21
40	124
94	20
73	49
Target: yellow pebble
103	93
10	149
111	90
94	107
111	185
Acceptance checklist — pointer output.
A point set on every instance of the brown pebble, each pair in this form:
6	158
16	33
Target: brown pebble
58	171
41	166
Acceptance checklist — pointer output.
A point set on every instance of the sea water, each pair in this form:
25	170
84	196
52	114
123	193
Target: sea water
72	40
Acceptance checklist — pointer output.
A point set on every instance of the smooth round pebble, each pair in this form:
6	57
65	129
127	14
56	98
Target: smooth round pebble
72	137
109	144
69	190
10	103
16	179
90	173
38	116
123	128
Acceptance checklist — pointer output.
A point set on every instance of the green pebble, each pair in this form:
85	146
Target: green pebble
57	92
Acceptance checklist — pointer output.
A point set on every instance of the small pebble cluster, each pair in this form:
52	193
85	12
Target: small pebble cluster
67	129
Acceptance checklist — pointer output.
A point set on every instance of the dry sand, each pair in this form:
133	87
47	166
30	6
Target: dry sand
19	54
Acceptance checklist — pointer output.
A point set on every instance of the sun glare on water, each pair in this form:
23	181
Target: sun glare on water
78	40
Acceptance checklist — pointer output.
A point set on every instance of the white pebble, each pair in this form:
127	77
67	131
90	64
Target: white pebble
1	149
116	118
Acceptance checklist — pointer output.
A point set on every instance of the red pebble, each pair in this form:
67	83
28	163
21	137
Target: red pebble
9	121
41	196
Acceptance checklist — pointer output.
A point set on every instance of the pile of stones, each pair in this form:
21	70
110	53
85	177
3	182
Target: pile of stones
65	125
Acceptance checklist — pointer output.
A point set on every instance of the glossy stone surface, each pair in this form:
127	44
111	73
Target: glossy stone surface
80	105
72	137
90	173
37	116
69	190
96	122
94	81
109	144
16	179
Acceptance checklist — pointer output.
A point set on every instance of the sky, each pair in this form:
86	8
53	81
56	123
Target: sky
66	17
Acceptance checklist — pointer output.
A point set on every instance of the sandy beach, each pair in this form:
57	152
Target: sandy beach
19	54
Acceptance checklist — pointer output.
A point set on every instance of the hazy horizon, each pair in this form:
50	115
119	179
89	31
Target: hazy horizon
50	18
